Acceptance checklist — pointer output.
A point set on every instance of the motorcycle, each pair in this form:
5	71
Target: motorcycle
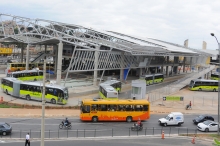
136	127
62	125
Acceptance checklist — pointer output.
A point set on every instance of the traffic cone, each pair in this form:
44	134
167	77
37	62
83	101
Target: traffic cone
162	136
193	140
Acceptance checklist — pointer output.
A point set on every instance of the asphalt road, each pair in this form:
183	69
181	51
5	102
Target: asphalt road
144	141
88	129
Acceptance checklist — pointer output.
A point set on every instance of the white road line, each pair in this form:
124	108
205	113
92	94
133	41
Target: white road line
40	124
2	141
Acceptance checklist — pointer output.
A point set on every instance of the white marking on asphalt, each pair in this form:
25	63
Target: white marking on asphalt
2	141
181	127
40	124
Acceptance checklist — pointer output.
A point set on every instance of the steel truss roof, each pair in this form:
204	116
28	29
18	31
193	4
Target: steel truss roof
39	31
87	40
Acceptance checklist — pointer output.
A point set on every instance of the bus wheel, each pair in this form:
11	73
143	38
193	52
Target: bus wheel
6	91
28	97
200	89
129	119
95	119
53	101
214	90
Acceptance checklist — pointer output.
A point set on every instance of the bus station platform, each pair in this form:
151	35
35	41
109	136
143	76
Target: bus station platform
78	91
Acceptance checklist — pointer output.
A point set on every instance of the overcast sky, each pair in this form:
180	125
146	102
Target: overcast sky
168	20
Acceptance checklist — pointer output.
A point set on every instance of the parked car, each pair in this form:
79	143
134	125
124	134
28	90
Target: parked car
5	128
208	126
202	118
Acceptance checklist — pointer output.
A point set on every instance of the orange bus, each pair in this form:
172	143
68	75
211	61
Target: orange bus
114	110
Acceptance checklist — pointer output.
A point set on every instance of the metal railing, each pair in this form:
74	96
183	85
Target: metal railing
81	133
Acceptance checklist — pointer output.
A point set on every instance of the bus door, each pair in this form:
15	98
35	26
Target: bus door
85	112
34	92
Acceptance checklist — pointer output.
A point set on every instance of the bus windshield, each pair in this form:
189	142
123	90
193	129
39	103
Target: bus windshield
191	83
65	93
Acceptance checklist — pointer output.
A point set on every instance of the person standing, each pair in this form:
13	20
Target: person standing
190	104
27	141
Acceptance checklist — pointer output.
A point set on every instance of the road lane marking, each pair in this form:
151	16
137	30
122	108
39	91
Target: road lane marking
40	124
2	141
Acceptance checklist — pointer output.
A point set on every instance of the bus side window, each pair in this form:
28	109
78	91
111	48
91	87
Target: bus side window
145	107
121	108
128	107
94	107
86	109
137	108
103	107
38	89
31	88
11	84
21	87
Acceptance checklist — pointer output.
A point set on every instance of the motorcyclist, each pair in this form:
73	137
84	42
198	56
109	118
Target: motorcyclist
66	122
139	122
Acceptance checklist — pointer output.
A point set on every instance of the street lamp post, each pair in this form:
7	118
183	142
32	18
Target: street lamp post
43	105
212	34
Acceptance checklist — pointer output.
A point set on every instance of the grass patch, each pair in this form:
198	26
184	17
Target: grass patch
9	106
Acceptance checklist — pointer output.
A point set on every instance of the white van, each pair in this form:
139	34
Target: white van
174	118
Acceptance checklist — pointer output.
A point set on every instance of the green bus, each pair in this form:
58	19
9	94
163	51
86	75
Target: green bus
214	76
55	94
27	75
152	79
114	83
203	85
107	92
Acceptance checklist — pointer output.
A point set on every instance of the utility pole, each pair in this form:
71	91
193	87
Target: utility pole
43	104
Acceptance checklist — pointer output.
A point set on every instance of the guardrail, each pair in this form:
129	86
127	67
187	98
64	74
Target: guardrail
82	133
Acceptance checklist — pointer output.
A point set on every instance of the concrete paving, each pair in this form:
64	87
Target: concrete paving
110	141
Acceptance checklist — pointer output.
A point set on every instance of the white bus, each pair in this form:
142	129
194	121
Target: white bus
55	94
114	83
27	75
107	92
203	85
152	79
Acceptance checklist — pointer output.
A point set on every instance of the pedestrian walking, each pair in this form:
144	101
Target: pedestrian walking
27	141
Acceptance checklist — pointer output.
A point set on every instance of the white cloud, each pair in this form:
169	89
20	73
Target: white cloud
168	20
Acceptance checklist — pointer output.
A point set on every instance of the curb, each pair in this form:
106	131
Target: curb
110	137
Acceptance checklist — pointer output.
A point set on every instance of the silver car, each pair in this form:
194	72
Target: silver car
208	126
5	128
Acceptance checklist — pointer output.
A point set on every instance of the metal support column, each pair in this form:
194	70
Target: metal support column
122	67
184	64
22	53
96	65
59	62
27	57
